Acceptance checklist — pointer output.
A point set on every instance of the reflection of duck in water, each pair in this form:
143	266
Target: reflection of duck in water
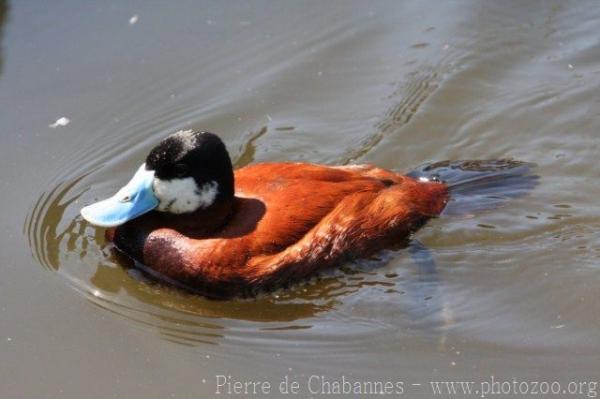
108	280
193	222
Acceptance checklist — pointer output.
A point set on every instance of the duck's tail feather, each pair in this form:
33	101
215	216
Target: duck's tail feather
478	185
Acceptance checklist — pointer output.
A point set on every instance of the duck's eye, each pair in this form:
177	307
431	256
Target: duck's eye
125	198
180	170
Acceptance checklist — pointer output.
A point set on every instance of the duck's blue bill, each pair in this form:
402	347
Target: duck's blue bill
131	201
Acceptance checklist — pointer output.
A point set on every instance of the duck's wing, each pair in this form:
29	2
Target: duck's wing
359	225
295	198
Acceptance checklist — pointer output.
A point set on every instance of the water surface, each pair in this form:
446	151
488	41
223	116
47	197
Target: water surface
509	292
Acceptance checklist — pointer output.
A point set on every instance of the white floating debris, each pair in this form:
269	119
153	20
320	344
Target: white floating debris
269	118
63	121
557	327
446	47
570	66
134	18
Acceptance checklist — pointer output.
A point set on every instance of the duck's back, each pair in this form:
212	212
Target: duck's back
296	197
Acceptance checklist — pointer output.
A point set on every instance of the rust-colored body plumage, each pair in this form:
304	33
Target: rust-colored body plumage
286	221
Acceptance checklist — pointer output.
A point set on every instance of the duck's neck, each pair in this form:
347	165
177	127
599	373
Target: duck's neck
200	223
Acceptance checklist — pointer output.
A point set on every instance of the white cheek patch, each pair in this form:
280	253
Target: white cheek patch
184	195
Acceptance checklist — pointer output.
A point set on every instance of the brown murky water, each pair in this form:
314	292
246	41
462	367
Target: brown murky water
511	292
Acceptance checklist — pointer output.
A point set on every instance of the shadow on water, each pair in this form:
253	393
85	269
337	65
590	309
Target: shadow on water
479	185
427	296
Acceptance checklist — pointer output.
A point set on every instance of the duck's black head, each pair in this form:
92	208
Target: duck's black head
186	172
191	171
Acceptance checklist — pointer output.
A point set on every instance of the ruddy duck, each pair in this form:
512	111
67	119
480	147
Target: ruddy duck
192	220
